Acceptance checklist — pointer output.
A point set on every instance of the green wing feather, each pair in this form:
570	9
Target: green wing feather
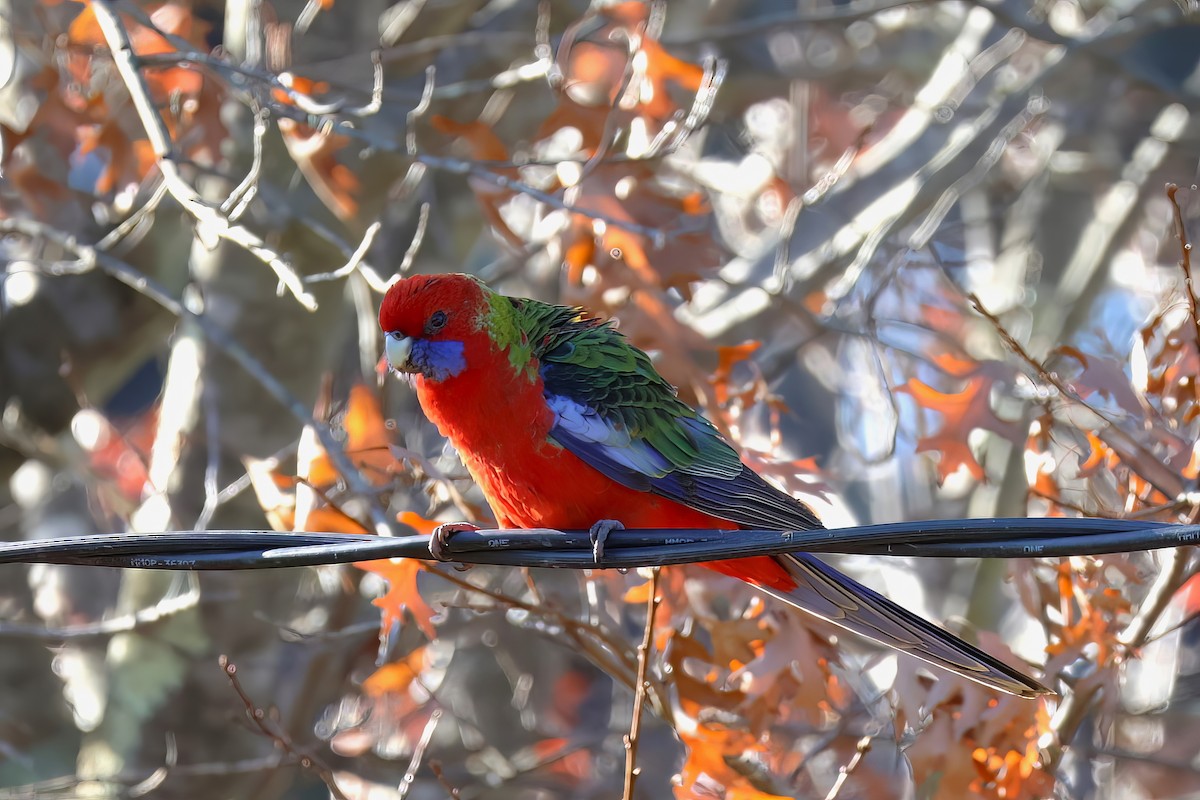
594	365
614	411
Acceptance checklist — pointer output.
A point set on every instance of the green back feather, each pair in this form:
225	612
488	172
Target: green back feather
593	364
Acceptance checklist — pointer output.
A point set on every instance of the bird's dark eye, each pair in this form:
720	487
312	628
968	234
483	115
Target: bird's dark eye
437	321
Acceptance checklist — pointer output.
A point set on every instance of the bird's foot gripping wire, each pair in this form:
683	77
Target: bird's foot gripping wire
439	540
599	534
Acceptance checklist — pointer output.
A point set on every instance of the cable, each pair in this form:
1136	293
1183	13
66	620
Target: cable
258	549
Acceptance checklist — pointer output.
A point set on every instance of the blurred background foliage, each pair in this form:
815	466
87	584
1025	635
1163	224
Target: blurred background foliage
916	259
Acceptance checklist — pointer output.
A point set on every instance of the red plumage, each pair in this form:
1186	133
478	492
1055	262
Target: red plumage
488	398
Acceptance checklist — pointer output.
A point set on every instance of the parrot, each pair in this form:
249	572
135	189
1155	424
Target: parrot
564	424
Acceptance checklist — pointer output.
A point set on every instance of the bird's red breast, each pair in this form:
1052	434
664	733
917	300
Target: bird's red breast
531	482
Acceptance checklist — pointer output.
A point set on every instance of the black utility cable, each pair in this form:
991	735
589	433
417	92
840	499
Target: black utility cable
978	538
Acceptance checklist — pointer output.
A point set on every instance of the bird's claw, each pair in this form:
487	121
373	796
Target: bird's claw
439	540
599	535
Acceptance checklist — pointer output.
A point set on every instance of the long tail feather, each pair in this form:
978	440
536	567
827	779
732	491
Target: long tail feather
828	594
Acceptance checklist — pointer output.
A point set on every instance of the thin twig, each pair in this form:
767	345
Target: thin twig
436	767
209	218
258	717
418	111
1185	264
90	257
542	48
657	236
141	618
376	105
127	64
1132	452
410	774
860	751
639	694
410	253
212	442
678	129
239	199
134	220
446	482
1171	576
612	658
1066	720
355	260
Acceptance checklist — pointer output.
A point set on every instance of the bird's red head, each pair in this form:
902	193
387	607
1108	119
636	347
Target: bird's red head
433	307
427	321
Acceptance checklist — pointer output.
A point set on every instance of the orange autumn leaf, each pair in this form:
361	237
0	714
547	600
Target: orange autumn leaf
412	519
174	19
316	154
611	61
484	143
277	496
562	757
950	442
955	363
590	121
593	73
395	677
1011	775
276	493
945	319
401	576
578	255
299	83
1100	456
190	101
632	194
128	162
639	594
631	13
710	749
40	194
298	502
962	412
1102	375
727	357
327	519
1046	487
367	442
663	69
698	691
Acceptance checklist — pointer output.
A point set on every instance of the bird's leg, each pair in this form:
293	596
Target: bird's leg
599	534
439	540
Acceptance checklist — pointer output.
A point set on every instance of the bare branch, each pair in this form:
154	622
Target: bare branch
356	258
211	220
410	773
1185	262
860	751
258	718
90	257
142	618
1132	452
632	771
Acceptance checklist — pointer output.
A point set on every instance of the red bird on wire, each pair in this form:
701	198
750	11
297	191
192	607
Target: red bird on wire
564	424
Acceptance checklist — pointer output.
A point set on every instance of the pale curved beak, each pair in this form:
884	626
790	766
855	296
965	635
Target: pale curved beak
399	350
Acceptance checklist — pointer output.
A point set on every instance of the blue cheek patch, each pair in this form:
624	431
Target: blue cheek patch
438	360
